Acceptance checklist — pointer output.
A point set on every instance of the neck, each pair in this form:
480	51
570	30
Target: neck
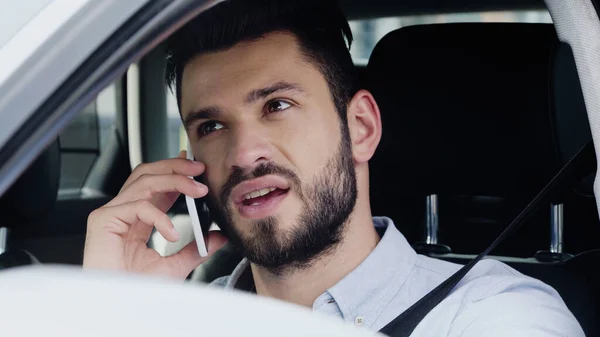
303	286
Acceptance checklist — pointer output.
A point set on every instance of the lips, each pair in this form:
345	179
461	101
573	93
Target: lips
259	198
250	187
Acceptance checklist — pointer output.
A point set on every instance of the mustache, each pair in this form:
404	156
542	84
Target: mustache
238	176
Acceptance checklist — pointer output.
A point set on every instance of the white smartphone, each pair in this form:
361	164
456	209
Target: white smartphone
193	211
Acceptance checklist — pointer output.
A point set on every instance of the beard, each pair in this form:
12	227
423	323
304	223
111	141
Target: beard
327	204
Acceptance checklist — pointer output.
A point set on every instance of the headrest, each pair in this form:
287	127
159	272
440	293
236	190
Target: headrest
33	195
471	109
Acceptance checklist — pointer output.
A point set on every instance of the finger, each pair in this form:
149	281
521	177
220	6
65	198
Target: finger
149	186
129	219
179	166
189	259
183	154
215	241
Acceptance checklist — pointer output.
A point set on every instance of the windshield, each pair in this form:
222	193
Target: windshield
11	23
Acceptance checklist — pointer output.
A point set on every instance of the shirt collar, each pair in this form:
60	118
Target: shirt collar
369	288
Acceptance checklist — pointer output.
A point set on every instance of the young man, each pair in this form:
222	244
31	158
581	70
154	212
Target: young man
283	136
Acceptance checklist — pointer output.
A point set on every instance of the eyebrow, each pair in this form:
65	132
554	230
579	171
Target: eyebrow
278	87
254	96
204	113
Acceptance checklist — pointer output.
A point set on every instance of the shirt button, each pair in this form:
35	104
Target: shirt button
359	321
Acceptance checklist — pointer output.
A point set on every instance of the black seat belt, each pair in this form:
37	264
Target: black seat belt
575	170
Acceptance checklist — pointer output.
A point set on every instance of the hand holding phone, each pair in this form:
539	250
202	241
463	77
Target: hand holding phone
115	229
193	211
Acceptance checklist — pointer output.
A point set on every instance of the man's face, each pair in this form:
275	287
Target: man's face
278	161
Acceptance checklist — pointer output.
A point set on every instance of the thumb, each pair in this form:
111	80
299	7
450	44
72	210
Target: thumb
189	259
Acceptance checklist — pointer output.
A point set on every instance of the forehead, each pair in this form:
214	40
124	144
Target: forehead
232	73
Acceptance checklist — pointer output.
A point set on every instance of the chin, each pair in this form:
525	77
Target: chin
269	227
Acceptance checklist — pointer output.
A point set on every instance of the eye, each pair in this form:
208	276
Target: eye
277	106
209	127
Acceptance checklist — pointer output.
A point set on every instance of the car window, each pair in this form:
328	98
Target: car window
176	132
368	32
11	23
83	140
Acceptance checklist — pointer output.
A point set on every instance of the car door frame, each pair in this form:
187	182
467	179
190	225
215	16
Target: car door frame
140	31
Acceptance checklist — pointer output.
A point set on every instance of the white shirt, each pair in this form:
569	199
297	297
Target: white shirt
493	299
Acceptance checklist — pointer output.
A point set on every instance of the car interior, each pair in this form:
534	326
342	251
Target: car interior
478	117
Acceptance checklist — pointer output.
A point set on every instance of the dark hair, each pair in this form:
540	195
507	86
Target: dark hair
319	25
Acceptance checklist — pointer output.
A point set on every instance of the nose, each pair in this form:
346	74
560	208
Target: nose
248	149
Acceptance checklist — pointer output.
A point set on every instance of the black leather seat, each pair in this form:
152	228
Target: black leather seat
484	115
28	200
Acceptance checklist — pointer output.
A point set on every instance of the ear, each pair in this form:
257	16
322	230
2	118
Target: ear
364	122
